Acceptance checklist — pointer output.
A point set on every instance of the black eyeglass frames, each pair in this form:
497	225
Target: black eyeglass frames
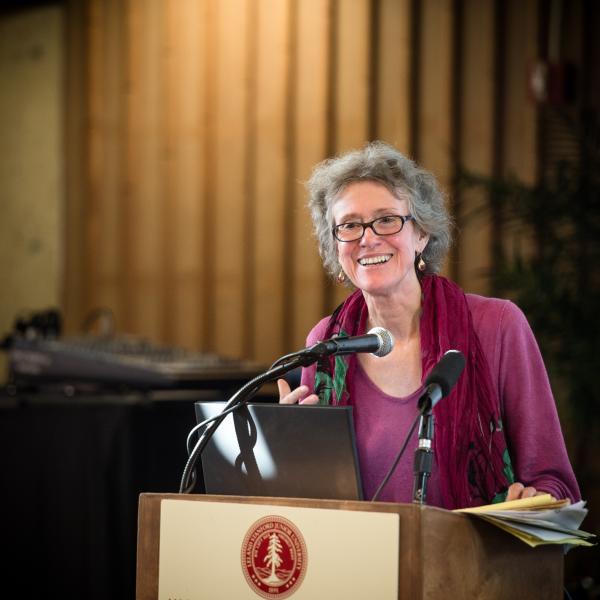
386	225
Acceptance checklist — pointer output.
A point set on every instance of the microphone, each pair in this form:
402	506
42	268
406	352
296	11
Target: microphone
377	341
442	379
439	383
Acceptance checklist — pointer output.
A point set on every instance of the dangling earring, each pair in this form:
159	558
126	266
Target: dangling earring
341	276
421	265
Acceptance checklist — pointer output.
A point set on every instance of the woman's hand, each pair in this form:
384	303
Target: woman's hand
518	490
299	395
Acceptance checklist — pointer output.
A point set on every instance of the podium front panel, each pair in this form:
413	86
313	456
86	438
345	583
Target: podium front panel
231	550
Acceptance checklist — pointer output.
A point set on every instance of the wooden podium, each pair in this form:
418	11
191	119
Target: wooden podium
440	554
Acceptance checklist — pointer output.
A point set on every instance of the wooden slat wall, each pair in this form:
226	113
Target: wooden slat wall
141	201
205	117
521	40
106	151
393	76
434	118
310	134
476	154
228	206
266	264
184	129
351	80
519	158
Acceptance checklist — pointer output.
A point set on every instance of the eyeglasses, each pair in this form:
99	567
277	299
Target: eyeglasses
387	225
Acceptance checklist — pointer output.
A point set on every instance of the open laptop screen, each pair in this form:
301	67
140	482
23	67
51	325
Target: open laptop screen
282	451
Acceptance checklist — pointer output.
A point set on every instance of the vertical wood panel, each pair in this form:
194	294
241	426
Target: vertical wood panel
352	82
520	114
249	205
435	89
112	228
310	145
352	76
169	201
435	92
477	106
106	152
207	166
142	223
75	281
95	165
230	90
393	123
184	131
270	257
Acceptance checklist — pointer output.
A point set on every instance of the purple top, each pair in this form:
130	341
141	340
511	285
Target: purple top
533	433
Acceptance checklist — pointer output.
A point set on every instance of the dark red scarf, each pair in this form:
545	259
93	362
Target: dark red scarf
469	443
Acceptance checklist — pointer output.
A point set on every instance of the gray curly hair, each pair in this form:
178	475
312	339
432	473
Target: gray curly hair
381	163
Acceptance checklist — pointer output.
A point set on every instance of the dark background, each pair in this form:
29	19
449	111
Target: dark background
71	470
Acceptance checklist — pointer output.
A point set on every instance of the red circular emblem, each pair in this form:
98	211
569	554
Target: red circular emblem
274	557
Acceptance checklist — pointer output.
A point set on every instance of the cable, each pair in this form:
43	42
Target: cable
278	362
243	395
204	423
397	459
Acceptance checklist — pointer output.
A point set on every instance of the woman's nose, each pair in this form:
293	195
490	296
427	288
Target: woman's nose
369	236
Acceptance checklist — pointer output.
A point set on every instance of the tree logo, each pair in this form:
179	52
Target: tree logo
274	557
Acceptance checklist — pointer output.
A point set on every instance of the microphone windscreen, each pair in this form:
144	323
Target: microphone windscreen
447	371
386	341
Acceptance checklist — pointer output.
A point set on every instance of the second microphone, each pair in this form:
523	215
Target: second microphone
377	341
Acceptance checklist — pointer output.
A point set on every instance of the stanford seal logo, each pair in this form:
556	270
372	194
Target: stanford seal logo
274	557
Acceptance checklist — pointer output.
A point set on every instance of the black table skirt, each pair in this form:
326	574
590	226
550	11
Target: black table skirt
71	470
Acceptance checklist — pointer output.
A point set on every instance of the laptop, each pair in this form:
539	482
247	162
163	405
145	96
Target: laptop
282	451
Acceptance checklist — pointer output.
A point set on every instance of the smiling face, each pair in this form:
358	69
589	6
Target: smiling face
378	265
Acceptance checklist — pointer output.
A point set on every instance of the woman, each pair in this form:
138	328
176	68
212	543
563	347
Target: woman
382	226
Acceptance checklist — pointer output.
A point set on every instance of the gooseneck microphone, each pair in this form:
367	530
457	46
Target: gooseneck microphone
441	379
377	341
438	384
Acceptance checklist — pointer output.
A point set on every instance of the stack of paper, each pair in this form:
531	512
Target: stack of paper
538	520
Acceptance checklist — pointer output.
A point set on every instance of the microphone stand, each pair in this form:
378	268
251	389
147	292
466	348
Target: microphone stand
423	455
438	384
292	361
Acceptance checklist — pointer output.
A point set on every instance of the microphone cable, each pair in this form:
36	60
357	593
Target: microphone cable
188	479
199	426
438	385
397	459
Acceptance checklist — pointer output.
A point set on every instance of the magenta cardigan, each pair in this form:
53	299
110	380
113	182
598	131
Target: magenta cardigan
533	433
